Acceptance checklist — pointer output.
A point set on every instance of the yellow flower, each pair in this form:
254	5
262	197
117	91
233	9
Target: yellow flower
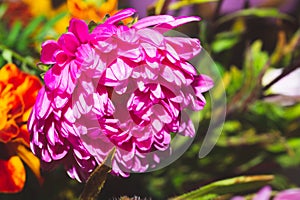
18	92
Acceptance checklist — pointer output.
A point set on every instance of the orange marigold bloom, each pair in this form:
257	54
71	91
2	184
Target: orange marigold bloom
91	9
18	92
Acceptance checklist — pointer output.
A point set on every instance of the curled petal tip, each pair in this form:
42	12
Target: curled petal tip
123	14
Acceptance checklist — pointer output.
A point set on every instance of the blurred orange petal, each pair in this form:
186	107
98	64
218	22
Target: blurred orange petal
24	136
27	156
108	6
91	10
10	131
7	72
18	92
29	90
12	175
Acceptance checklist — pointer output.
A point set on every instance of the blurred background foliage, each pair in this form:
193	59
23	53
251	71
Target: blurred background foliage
249	40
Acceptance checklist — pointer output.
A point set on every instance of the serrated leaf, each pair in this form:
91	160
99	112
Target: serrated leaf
227	186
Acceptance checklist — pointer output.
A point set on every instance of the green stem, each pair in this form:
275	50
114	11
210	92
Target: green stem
18	56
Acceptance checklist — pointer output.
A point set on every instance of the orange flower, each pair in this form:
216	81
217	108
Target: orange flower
26	10
18	92
91	9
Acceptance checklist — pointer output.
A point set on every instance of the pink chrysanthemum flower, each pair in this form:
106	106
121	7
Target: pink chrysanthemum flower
117	87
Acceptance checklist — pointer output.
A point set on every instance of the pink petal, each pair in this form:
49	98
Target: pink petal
61	58
45	155
145	144
69	43
123	14
157	92
103	32
177	22
290	194
149	49
186	127
79	29
168	74
60	100
151	36
51	134
263	194
202	83
187	67
152	20
238	198
121	69
48	50
127	34
172	53
186	48
43	105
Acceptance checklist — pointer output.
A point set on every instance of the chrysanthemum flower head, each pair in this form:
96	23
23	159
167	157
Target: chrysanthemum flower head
117	87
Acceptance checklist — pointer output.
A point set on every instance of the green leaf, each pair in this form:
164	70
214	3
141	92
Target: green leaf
227	186
255	12
28	67
271	111
255	64
292	112
259	58
13	34
227	39
7	55
92	25
179	4
232	126
43	67
223	44
29	29
3	8
287	161
49	25
234	80
2	61
292	143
